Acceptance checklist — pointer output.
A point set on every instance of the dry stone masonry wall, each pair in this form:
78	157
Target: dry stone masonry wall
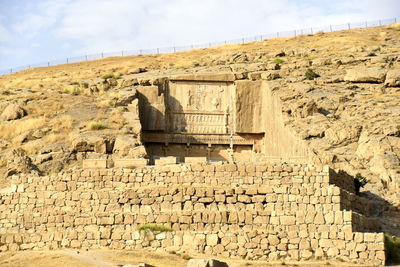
291	211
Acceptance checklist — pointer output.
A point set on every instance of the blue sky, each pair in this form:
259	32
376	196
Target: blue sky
34	31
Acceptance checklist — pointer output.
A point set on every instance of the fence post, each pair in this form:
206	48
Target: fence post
242	40
348	25
67	60
174	49
158	51
140	51
295	34
209	45
11	70
395	20
380	23
312	31
122	53
102	55
277	34
330	27
86	57
48	64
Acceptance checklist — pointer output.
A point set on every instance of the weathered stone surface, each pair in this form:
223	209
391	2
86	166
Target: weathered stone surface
124	144
222	77
166	161
393	78
96	143
94	164
130	163
365	75
12	112
250	102
195	159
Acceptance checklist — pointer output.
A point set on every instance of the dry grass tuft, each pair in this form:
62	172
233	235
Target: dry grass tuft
14	128
97	125
62	124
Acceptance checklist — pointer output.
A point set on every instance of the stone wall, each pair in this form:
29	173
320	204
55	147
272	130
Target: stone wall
289	211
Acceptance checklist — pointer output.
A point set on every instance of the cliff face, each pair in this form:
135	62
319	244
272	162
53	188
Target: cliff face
345	109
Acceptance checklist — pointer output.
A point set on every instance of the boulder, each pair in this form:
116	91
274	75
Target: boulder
206	263
123	145
12	112
125	97
96	143
393	78
365	75
138	152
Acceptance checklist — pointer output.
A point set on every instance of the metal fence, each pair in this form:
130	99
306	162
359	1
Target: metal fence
173	49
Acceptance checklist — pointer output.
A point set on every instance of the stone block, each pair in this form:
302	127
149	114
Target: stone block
195	159
130	163
287	220
212	239
166	161
94	164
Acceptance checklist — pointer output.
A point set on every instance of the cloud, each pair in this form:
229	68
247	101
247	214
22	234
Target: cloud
102	25
40	16
65	28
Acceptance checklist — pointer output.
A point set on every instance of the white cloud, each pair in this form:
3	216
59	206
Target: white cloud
102	25
92	26
47	14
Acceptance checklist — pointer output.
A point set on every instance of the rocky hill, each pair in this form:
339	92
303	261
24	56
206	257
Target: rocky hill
340	94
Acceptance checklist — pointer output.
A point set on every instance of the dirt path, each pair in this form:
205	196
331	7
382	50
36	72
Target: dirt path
117	258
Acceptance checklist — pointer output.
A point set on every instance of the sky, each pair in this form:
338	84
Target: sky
36	31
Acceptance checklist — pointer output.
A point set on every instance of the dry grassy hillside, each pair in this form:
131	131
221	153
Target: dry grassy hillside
350	125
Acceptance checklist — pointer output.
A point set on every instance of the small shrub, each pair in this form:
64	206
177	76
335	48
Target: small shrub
154	228
181	67
107	76
85	85
278	61
73	91
111	75
74	83
97	125
359	181
392	249
311	75
185	256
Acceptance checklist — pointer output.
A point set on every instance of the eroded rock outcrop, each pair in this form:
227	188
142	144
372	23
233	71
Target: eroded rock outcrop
19	162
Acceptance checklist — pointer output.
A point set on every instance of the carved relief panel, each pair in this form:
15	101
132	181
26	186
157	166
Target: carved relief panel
200	107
